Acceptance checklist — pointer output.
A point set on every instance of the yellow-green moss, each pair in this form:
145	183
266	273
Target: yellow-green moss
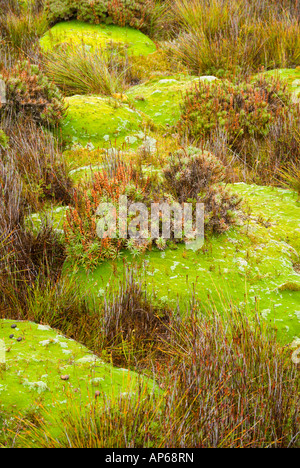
103	36
245	266
31	380
291	76
103	122
160	97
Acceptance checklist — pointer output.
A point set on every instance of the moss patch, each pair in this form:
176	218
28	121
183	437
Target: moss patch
35	365
55	215
160	98
247	266
292	76
102	122
97	35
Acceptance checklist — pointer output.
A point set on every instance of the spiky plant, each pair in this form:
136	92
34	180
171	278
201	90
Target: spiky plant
31	94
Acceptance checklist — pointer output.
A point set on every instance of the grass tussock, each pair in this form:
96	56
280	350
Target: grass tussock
235	37
21	31
76	71
36	147
290	177
24	256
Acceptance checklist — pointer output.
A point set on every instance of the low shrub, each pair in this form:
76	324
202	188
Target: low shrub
258	119
190	177
134	13
194	175
29	93
82	241
190	172
221	208
243	110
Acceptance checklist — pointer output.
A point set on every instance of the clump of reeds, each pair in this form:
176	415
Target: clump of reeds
234	37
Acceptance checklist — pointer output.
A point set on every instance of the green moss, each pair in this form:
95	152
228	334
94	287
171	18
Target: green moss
93	35
103	122
4	140
246	266
292	76
31	378
160	98
55	215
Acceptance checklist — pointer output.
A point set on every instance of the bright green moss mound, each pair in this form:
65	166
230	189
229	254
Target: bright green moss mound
107	122
292	76
160	98
251	265
101	121
32	379
100	36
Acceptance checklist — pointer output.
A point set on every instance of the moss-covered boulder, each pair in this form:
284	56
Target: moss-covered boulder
92	36
160	98
43	371
101	122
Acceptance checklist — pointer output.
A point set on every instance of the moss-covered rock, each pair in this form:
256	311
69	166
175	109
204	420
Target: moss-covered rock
100	122
160	98
44	369
97	35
